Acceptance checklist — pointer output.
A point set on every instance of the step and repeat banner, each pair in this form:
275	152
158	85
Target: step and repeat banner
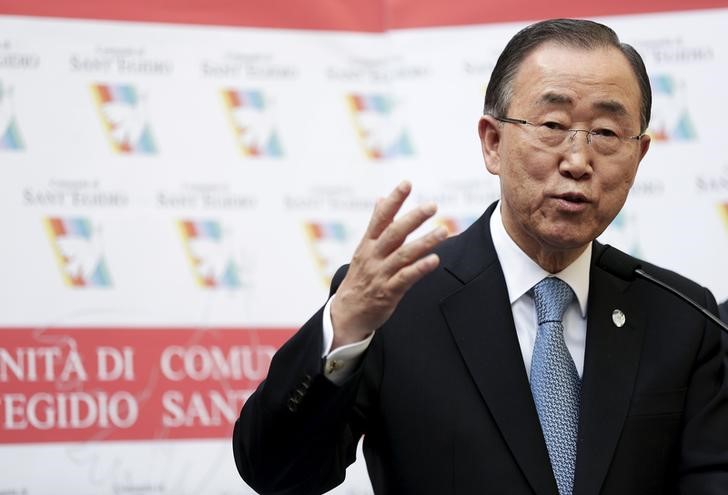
175	196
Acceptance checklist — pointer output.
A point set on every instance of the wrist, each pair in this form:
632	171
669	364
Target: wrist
345	330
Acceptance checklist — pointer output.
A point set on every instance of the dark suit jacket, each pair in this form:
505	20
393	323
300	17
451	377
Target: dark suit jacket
723	308
443	399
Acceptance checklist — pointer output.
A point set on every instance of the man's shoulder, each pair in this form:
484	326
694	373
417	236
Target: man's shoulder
673	278
723	308
474	243
666	275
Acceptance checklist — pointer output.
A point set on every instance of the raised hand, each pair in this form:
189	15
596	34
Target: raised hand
383	267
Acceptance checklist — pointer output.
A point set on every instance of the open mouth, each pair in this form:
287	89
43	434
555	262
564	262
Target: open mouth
573	198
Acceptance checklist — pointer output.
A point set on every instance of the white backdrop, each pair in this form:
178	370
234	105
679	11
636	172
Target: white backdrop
175	198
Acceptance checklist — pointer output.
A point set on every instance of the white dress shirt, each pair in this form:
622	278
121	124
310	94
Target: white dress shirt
521	274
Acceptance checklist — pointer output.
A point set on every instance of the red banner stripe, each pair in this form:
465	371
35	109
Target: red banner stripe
98	384
344	15
430	13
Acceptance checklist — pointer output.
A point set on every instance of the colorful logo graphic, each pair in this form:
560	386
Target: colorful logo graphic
723	212
79	251
454	225
9	133
252	121
379	124
123	115
671	119
211	254
328	242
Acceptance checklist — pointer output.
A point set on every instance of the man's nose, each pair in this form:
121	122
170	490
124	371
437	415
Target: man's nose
577	158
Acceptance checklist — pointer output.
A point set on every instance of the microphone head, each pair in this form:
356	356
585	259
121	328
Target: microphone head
618	263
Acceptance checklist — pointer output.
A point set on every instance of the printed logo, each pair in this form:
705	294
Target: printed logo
211	254
124	118
328	243
671	119
379	124
454	225
251	119
9	133
79	252
723	212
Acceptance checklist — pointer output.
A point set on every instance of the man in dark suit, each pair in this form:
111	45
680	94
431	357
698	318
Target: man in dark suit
439	352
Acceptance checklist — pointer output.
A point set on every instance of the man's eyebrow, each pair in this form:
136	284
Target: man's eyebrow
611	106
555	99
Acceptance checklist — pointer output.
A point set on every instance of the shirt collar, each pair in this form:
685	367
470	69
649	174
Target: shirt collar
522	273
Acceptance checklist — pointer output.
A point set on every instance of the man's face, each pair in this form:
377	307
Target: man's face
554	201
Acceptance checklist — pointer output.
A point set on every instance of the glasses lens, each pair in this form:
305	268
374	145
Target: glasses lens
551	136
605	144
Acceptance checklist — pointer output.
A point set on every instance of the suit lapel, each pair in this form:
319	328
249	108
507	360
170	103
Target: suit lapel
480	319
610	368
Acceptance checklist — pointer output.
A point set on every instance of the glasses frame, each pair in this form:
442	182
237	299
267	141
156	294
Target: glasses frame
589	132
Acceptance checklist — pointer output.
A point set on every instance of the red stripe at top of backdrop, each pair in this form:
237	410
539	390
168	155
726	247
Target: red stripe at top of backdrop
340	15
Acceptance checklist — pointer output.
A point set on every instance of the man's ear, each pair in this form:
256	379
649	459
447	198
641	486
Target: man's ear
644	146
489	130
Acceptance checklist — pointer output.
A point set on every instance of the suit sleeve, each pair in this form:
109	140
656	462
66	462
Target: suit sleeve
295	434
704	461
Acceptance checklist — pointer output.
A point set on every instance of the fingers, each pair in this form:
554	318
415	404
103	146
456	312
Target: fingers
386	209
385	237
384	266
410	253
410	274
396	233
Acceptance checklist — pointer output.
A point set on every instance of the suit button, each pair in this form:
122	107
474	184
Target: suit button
295	399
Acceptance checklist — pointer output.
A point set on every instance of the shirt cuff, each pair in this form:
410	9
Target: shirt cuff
340	363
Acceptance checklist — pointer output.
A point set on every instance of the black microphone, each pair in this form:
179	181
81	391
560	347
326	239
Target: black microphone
627	268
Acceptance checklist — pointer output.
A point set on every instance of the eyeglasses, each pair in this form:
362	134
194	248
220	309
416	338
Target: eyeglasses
553	135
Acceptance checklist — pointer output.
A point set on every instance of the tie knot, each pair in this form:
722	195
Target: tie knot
552	296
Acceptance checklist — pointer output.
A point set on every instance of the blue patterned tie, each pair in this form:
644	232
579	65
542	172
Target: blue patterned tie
555	383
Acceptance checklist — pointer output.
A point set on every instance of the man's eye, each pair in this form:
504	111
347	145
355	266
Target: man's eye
553	125
604	132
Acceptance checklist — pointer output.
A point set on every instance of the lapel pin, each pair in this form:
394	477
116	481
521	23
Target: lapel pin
618	318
